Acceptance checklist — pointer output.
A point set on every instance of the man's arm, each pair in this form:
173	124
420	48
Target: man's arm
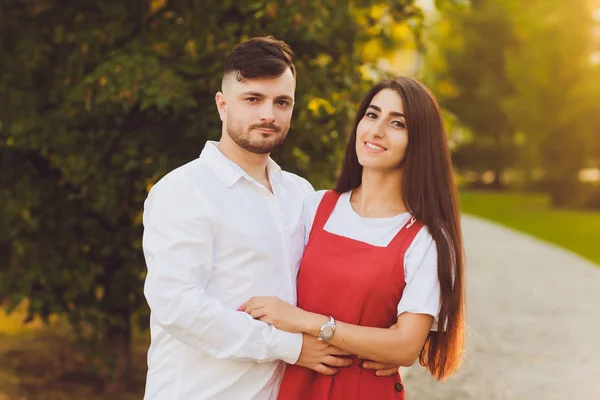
178	248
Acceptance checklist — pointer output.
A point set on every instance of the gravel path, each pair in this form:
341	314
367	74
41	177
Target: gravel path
533	322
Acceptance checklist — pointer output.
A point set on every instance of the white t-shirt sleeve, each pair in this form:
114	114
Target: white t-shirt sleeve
422	291
311	204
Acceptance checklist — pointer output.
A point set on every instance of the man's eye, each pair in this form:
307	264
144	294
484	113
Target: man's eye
283	103
252	99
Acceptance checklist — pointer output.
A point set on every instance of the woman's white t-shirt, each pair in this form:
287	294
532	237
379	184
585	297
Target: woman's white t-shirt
422	291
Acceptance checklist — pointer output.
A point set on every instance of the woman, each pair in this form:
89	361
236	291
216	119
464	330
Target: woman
384	250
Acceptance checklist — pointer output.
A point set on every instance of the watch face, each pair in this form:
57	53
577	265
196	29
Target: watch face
327	332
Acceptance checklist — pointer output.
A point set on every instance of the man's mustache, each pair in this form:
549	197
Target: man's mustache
266	126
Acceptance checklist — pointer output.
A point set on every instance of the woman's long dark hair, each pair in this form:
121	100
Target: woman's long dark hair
430	195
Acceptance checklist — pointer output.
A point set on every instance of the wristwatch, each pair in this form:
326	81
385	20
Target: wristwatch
327	330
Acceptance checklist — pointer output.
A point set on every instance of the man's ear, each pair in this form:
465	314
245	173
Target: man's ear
221	106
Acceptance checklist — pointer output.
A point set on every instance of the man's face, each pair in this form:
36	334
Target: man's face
256	113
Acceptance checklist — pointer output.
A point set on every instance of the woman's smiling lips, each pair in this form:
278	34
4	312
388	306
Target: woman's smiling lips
372	147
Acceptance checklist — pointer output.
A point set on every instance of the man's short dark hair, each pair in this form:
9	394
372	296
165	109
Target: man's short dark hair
260	57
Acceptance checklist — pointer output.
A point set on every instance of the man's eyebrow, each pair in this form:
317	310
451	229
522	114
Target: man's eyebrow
255	94
394	113
285	97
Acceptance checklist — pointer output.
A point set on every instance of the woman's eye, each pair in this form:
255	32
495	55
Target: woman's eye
399	124
371	115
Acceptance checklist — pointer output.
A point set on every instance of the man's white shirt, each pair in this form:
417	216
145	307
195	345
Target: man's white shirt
213	238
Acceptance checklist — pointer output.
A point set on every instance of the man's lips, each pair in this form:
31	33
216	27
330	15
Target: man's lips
266	129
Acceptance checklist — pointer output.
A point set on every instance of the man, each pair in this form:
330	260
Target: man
222	229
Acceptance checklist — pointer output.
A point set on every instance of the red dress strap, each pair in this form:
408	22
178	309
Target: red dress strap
359	284
325	209
407	233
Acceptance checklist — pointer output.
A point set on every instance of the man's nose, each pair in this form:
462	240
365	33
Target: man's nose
266	112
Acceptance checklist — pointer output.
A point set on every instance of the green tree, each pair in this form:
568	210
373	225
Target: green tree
555	92
518	76
98	100
468	68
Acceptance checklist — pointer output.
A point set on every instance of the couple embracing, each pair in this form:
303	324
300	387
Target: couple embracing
261	288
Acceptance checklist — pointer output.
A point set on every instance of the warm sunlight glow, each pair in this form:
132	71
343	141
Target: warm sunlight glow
589	175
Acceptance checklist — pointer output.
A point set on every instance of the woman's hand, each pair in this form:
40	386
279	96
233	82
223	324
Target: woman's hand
280	314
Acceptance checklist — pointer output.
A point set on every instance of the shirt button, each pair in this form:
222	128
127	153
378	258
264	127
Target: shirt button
398	386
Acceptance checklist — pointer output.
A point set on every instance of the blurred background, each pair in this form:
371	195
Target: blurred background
99	99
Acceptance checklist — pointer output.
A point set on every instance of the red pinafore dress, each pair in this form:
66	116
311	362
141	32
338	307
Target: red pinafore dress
356	283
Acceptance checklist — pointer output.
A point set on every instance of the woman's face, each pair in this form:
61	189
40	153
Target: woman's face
381	135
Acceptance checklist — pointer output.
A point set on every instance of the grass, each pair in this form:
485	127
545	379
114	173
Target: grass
578	231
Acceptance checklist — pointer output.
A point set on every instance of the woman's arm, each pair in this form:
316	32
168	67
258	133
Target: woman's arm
399	345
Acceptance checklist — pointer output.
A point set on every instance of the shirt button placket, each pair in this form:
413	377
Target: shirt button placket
277	212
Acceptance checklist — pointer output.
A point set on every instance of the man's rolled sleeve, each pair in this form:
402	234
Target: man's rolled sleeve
288	346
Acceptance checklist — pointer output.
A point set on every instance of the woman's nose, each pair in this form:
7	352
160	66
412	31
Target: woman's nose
377	131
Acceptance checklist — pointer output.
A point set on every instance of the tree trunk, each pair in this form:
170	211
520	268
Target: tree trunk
119	342
497	183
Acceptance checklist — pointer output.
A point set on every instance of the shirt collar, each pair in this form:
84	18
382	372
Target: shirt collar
227	170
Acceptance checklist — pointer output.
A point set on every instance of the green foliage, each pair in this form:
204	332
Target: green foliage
556	91
518	75
472	81
98	100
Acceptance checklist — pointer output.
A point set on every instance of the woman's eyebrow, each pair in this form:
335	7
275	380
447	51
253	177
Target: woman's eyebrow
394	113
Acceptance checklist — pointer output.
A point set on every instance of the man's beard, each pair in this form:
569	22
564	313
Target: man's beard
261	146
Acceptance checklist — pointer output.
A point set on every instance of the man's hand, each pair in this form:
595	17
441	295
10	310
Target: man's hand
321	356
382	369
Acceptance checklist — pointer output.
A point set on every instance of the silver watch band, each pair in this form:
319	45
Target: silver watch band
327	330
